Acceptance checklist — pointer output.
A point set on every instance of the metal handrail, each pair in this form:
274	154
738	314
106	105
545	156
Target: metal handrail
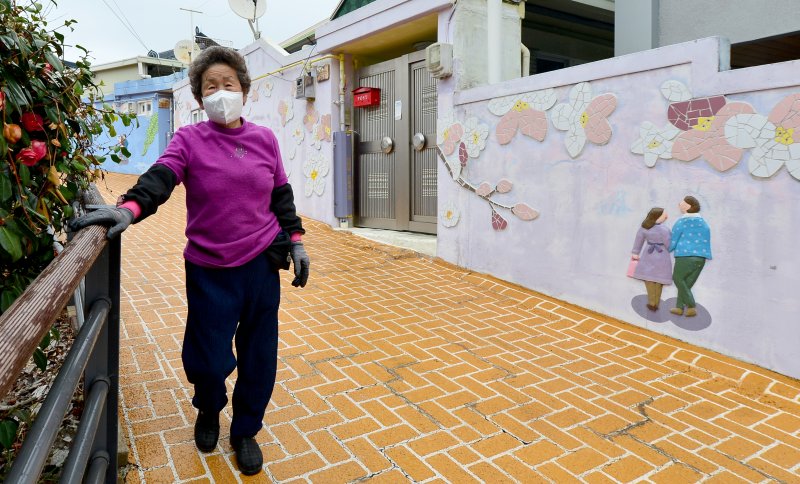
94	354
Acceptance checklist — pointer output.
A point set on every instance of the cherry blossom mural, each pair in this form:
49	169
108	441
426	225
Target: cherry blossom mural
655	142
311	117
449	132
486	190
321	131
720	131
468	138
286	110
524	113
770	138
584	118
449	214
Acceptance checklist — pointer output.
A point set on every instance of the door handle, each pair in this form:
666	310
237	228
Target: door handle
387	145
418	141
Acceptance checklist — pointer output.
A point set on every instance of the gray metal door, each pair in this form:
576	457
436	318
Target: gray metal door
396	186
423	148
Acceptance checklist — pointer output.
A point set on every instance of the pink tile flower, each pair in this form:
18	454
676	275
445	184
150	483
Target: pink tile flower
524	113
706	138
584	118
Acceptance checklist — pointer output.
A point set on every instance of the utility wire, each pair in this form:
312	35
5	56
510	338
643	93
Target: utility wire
130	29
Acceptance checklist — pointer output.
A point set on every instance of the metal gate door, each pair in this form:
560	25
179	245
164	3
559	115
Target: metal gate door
395	183
423	149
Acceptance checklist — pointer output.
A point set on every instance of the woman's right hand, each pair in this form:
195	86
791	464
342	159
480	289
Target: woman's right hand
634	257
117	219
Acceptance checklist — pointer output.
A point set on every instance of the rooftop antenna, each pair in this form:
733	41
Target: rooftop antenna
250	10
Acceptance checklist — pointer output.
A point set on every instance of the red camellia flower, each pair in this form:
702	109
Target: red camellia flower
2	100
48	68
31	156
32	122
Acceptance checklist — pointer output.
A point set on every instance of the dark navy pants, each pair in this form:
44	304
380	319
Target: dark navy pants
240	302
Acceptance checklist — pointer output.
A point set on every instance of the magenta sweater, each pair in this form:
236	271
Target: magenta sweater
229	175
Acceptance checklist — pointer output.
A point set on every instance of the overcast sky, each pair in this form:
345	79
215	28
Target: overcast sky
160	23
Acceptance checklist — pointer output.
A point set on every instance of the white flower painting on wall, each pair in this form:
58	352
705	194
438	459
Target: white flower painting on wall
315	169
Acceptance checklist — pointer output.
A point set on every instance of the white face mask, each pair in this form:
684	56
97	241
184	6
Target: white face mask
223	107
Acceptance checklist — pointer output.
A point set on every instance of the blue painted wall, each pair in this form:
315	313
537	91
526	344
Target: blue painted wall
148	140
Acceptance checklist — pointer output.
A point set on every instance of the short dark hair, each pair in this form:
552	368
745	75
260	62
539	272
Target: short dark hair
217	55
694	205
652	216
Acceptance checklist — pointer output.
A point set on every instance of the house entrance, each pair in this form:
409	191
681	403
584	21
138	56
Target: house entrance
396	157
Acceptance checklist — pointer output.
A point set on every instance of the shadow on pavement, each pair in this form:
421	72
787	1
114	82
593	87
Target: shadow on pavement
696	323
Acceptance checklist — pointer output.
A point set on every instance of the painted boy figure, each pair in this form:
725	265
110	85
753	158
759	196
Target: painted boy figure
691	245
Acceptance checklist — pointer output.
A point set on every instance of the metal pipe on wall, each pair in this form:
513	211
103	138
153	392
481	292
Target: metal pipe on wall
526	61
495	42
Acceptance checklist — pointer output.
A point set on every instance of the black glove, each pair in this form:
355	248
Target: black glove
301	264
117	219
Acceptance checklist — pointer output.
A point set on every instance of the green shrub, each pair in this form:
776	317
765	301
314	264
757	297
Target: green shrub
49	121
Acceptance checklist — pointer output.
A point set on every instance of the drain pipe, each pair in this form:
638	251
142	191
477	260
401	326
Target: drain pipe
342	85
495	18
526	61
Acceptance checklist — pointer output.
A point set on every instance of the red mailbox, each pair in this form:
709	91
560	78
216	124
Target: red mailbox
366	96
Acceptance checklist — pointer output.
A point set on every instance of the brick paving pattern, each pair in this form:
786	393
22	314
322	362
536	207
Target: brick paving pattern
400	368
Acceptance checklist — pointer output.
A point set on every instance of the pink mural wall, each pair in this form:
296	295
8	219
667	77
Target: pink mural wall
591	149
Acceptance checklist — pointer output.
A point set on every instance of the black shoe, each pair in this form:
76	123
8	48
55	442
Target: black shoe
206	431
248	455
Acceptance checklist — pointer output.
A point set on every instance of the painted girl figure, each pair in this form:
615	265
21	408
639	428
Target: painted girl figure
651	249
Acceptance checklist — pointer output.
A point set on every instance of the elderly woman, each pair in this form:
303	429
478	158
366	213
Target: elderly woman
241	227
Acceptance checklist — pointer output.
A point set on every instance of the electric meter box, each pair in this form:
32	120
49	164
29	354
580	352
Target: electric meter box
304	86
439	60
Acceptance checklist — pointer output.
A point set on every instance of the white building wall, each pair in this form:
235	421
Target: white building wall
737	20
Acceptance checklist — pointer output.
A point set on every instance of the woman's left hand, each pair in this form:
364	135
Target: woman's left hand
301	264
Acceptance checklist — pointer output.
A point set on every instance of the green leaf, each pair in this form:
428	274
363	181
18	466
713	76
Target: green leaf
40	359
7	298
56	334
18	96
9	241
6	189
45	342
53	60
24	175
8	433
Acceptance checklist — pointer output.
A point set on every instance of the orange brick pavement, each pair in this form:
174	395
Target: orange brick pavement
400	368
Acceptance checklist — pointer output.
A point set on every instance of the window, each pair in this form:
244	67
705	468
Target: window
126	107
144	108
198	115
546	63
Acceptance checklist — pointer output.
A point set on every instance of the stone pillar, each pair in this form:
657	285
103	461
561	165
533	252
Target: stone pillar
470	40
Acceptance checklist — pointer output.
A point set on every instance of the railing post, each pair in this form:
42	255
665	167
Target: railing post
103	281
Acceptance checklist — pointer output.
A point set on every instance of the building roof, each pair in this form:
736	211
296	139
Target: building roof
347	6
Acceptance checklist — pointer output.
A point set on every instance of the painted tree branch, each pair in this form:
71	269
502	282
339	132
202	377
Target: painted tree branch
486	190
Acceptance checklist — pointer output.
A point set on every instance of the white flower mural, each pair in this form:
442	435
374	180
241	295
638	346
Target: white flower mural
449	214
584	117
315	169
770	137
655	143
475	136
297	135
286	110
